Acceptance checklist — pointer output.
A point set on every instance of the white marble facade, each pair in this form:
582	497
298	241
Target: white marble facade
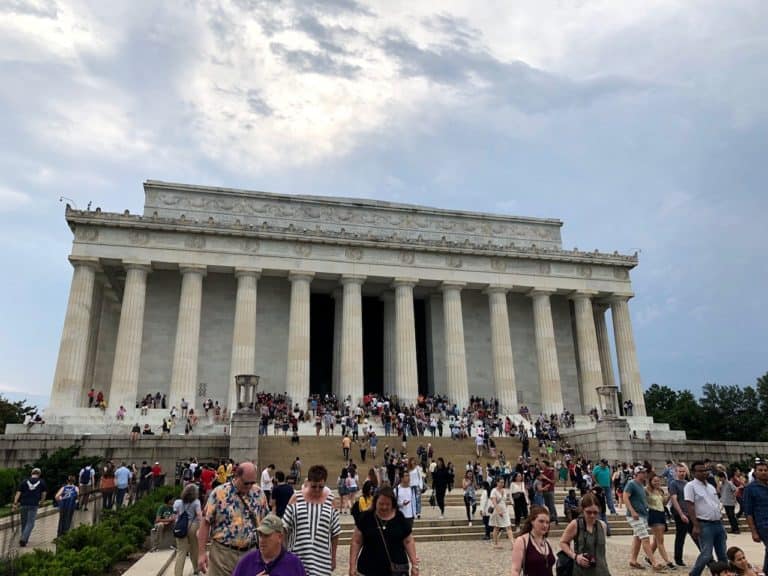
212	282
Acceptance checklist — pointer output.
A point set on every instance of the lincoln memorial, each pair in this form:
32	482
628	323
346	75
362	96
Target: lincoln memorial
328	294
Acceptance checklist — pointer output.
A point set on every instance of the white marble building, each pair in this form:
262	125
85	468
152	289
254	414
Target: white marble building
318	293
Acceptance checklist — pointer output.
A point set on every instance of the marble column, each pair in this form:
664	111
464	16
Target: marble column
604	344
455	353
297	373
501	349
351	383
185	352
406	373
626	353
130	331
589	354
244	332
76	336
338	319
389	342
546	353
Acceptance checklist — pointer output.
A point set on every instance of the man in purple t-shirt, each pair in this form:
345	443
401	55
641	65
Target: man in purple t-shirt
271	557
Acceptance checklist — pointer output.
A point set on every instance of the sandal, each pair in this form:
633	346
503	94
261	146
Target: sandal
636	566
659	568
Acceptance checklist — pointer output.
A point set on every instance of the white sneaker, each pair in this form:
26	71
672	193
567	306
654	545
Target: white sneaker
441	516
470	523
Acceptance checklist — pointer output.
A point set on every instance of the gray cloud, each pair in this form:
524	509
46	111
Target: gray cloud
39	8
314	62
257	104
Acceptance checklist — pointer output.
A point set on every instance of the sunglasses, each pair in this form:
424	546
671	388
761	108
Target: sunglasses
249	483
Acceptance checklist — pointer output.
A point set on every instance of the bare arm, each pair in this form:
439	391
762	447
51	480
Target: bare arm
628	504
334	547
410	549
354	550
202	541
518	553
567	538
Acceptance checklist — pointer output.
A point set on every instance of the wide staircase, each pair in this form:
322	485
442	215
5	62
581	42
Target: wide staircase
326	450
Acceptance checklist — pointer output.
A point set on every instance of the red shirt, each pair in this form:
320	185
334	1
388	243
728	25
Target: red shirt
156	471
206	477
550	474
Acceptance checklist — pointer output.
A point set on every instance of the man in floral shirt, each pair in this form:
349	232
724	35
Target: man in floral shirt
230	518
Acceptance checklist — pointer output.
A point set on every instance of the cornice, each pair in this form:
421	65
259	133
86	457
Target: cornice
211	227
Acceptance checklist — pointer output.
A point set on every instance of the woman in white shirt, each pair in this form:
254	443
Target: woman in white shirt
519	498
417	484
405	501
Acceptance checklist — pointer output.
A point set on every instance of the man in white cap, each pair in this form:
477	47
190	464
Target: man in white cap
28	497
270	557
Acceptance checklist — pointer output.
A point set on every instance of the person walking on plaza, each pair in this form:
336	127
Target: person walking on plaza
584	540
66	500
230	519
657	520
602	475
123	476
312	524
532	554
267	482
30	494
440	484
756	507
547	478
683	525
188	504
637	518
271	557
704	512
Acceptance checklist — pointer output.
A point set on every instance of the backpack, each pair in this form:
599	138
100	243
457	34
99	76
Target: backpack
181	526
187	474
85	476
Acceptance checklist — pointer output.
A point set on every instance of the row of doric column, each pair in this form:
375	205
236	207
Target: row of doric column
401	377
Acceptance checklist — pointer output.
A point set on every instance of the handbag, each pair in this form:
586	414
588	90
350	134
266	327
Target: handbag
394	568
565	564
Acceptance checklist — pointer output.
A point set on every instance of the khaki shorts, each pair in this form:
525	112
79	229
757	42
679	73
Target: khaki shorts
639	527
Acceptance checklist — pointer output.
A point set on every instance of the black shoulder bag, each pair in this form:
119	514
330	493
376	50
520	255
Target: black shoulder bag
564	565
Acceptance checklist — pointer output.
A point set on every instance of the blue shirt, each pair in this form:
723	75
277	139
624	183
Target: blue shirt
636	494
756	503
122	477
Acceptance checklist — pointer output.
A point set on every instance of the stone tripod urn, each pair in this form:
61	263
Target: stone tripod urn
609	402
246	386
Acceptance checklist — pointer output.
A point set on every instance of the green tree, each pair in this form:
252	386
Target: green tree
60	464
14	412
762	394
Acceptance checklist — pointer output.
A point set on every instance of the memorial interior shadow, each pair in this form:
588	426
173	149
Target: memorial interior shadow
321	344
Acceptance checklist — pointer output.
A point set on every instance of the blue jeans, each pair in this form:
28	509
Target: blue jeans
417	500
764	537
712	536
120	497
608	491
28	517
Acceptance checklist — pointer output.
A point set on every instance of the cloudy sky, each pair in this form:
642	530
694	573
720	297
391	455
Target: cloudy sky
641	124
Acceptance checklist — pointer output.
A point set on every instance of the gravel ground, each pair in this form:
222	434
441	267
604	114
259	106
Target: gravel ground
480	558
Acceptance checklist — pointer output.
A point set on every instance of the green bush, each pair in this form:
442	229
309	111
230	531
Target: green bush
90	550
9	482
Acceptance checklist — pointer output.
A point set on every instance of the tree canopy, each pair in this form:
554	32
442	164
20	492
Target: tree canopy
724	412
14	412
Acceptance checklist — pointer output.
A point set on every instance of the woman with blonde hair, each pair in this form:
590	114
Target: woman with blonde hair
657	520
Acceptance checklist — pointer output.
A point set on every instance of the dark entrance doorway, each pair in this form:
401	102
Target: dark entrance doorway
373	345
320	344
420	316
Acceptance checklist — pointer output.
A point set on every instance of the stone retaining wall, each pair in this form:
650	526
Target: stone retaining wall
16	450
619	447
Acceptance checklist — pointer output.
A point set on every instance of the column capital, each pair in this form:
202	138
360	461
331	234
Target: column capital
452	286
581	294
193	269
497	289
541	292
137	265
353	279
620	297
254	272
405	282
300	275
88	261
